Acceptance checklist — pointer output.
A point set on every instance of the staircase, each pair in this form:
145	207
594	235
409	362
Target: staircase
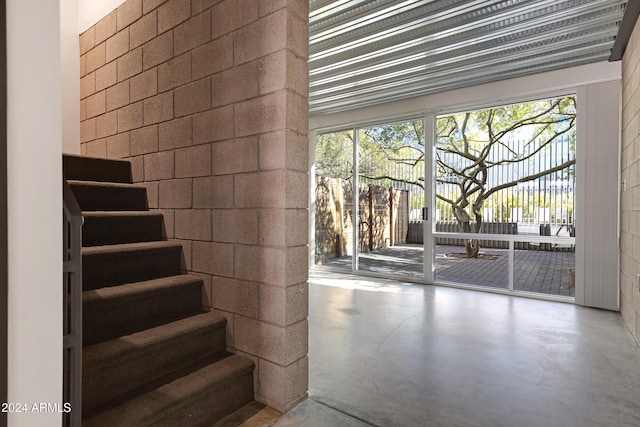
151	354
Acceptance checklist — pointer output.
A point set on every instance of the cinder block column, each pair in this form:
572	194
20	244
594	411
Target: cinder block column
208	100
271	197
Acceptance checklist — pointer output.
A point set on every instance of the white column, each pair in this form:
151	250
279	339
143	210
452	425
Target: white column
429	196
356	199
34	147
597	199
312	198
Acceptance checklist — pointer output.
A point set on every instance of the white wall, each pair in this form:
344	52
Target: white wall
70	53
34	208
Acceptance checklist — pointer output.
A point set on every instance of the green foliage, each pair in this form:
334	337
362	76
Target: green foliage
334	155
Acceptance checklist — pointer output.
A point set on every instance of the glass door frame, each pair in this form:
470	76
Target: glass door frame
430	233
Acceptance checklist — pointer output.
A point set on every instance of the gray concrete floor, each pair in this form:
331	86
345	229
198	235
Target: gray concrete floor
383	353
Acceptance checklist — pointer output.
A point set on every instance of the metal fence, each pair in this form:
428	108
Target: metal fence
547	199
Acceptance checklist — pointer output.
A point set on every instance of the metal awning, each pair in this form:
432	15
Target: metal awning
365	52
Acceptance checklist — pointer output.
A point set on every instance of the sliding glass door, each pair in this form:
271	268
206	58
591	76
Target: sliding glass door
371	220
489	202
505	195
391	201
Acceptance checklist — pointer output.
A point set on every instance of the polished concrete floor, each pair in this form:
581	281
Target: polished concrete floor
382	353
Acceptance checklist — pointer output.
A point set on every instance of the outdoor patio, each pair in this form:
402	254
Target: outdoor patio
535	271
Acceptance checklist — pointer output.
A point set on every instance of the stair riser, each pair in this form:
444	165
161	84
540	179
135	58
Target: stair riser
113	230
105	378
108	270
90	169
221	400
105	319
199	398
104	198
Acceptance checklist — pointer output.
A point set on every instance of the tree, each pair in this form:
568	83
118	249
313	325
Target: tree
467	144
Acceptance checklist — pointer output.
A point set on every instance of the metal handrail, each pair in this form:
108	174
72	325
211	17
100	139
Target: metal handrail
72	306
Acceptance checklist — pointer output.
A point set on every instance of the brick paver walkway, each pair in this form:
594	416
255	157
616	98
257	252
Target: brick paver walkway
535	271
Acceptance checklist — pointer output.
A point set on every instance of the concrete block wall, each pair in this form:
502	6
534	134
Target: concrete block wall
208	99
630	199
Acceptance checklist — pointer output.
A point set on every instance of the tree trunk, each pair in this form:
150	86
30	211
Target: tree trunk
472	246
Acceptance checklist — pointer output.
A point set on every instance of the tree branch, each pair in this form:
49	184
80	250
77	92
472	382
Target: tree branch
529	178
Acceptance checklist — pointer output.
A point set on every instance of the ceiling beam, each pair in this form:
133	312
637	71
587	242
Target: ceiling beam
629	19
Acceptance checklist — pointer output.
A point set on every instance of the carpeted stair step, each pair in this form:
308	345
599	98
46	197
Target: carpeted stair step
119	366
129	262
115	311
96	169
109	228
108	196
200	398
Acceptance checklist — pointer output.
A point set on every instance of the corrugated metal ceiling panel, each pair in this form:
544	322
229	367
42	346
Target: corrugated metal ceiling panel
368	52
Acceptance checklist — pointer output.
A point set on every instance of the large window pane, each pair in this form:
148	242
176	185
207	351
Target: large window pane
334	199
490	268
508	170
545	268
391	198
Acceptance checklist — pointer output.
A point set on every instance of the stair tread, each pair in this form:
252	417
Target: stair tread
157	404
127	248
109	214
148	337
139	288
81	183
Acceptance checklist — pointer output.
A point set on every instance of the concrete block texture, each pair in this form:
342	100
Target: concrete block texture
130	64
174	73
226	160
193	161
96	58
117	45
118	95
208	100
128	12
176	193
144	30
235	296
278	384
143	85
158	109
192	33
279	345
106	76
176	133
107	125
630	205
193	224
172	13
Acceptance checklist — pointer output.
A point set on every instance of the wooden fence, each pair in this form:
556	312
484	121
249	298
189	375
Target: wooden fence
383	217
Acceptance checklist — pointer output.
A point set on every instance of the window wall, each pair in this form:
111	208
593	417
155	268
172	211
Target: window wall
385	205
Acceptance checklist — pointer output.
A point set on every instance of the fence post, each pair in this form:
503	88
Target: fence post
390	216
